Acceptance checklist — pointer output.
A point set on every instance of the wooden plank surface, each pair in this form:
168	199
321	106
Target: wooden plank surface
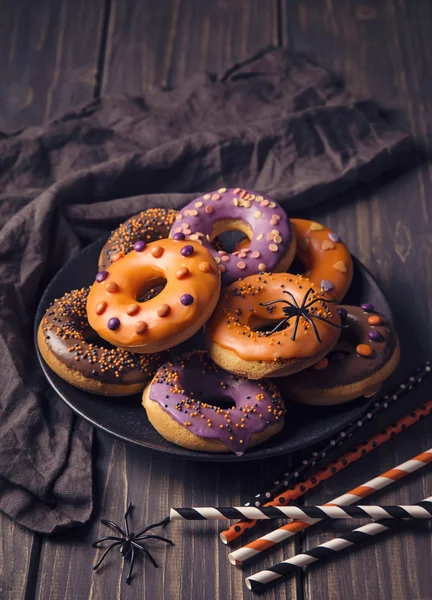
151	44
383	50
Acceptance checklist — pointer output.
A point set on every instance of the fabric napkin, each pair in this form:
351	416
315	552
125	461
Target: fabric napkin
276	123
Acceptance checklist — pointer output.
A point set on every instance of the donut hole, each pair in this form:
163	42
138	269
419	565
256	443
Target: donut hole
297	267
151	288
267	325
220	402
227	234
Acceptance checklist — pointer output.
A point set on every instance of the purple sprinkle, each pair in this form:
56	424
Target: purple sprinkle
139	246
113	323
326	285
334	237
101	276
367	307
187	250
375	336
179	236
187	299
342	313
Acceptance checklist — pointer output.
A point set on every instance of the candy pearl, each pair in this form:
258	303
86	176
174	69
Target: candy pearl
112	287
117	256
342	313
140	327
364	350
375	336
101	276
187	250
205	267
100	308
132	309
139	246
157	251
187	299
374	320
321	364
179	236
367	307
113	323
182	273
163	310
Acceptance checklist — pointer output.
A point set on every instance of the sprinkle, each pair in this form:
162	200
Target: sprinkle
205	267
193	213
340	266
163	310
187	250
265	202
139	246
367	307
179	236
316	226
326	245
327	285
242	254
215	197
217	259
117	256
100	308
140	327
194	236
304	243
182	273
225	258
222	268
273	222
241	264
157	251
277	239
111	287
321	364
260	237
334	237
187	299
262	267
255	254
209	209
199	204
222	190
179	217
113	323
364	350
257	214
375	336
207	197
273	247
374	320
132	309
101	276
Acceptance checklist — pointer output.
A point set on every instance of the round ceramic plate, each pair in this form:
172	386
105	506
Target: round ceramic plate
125	418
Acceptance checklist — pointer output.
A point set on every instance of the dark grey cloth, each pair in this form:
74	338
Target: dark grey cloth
276	123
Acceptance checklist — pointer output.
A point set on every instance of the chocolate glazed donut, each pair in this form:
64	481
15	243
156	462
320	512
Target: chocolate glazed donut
366	354
64	341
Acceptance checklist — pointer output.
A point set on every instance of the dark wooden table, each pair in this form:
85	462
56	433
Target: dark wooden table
55	55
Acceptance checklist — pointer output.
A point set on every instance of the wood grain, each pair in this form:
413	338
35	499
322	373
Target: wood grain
382	50
18	566
48	58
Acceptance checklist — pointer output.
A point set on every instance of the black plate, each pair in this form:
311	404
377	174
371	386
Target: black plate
126	419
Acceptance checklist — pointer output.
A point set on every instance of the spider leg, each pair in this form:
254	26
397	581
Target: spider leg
161	524
113	526
155	537
305	297
129	577
293	298
279	325
99	562
328	322
104	539
295	327
314	328
126	524
146	552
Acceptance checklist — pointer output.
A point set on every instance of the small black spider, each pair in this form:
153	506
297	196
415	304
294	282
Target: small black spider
294	310
130	542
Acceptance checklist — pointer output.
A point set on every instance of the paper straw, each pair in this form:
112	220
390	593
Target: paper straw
351	497
323	551
305	513
286	480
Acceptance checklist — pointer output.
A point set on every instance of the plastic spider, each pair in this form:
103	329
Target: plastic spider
294	310
130	542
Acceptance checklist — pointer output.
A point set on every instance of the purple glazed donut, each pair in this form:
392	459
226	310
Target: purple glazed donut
272	242
181	404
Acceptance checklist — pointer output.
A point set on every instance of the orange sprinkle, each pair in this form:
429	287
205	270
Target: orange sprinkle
321	364
374	320
364	350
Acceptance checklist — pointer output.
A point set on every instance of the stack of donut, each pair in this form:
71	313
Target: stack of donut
269	333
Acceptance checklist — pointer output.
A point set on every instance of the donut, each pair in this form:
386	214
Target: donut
64	340
185	403
366	354
192	286
149	226
325	257
265	223
304	326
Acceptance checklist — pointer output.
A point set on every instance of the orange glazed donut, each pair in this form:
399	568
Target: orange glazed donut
182	307
304	326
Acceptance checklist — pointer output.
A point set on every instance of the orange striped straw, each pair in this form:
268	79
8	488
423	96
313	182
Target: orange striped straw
331	469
